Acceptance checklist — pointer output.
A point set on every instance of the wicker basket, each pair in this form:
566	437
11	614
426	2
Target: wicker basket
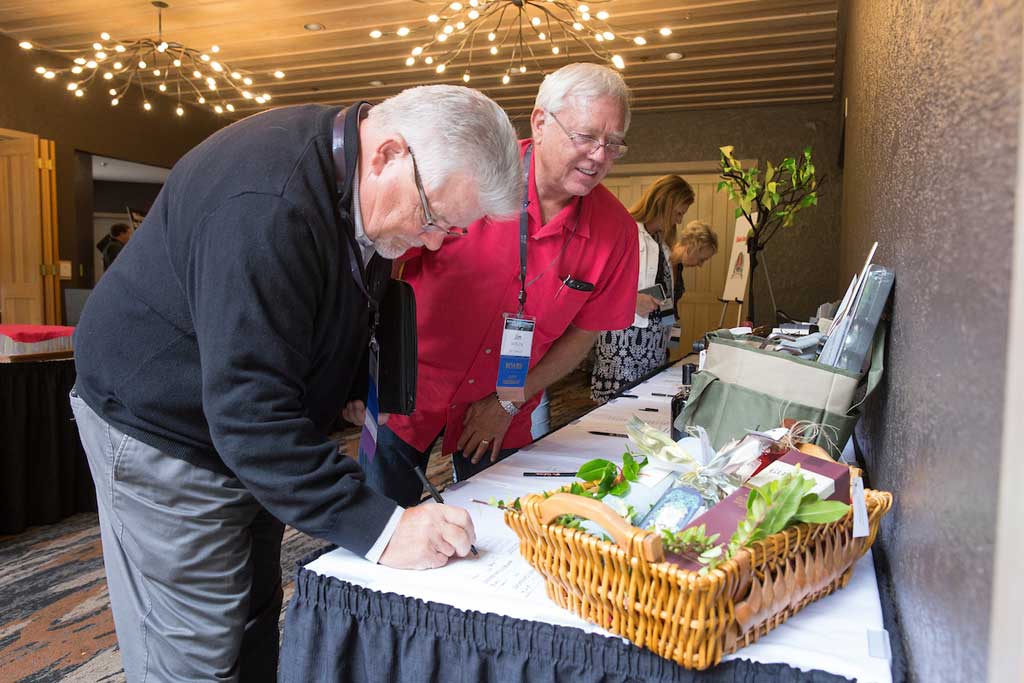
693	620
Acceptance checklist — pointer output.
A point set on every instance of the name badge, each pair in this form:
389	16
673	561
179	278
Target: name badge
514	361
368	437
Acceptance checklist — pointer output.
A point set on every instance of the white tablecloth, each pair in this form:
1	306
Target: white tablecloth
842	634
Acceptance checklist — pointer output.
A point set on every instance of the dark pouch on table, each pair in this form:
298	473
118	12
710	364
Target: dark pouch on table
396	338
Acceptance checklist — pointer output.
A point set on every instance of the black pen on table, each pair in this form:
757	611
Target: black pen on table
655	393
615	434
549	474
430	488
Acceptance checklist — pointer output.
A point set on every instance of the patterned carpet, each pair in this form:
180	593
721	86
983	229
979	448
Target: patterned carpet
55	620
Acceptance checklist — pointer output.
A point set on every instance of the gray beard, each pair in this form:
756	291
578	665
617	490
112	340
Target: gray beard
391	248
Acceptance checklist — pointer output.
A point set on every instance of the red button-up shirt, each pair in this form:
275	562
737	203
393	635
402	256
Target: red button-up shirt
463	290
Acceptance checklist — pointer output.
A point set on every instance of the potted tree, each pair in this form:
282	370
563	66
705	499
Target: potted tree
769	203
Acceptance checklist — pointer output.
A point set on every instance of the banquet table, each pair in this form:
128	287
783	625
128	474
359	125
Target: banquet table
44	475
489	619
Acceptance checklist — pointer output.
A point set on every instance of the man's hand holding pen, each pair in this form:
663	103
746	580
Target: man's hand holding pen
428	536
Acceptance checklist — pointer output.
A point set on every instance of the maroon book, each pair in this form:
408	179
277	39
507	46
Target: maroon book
831	482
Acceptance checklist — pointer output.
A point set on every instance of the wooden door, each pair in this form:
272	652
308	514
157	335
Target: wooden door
21	235
700	309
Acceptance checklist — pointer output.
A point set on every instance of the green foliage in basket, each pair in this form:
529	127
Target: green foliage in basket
610	477
770	509
693	541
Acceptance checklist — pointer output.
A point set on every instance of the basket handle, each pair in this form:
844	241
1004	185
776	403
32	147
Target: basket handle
619	529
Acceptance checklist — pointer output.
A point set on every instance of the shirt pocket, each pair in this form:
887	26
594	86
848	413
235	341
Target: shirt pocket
560	312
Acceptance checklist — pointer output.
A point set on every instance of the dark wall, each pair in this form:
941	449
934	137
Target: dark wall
82	244
803	259
931	149
89	124
113	197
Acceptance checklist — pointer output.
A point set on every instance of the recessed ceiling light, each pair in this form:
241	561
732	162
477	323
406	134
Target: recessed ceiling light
314	27
674	56
376	82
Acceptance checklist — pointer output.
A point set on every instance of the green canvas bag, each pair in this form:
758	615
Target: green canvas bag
743	387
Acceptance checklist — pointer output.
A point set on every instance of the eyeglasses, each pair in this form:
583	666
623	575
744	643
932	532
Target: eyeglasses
591	144
430	224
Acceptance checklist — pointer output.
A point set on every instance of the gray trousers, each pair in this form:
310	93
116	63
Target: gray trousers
192	561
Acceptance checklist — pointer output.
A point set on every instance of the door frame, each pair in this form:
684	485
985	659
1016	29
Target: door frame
46	165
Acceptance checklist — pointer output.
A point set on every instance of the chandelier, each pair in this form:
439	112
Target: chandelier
155	67
518	32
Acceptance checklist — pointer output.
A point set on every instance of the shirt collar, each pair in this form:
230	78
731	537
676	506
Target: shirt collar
365	243
577	211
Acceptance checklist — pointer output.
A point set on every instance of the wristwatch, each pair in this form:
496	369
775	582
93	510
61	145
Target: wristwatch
508	406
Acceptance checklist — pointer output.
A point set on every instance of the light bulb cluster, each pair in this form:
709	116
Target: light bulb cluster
524	30
156	67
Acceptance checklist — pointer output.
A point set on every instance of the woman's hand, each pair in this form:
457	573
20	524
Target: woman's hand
646	304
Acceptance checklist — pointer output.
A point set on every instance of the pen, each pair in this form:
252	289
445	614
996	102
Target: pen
627	396
549	474
650	410
655	393
430	487
621	436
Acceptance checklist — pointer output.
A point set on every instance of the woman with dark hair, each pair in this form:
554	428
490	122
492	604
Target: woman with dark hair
624	356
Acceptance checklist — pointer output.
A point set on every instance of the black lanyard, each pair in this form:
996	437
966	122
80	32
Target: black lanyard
346	124
524	221
524	225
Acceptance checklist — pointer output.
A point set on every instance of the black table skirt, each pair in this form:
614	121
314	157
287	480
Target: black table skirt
44	475
338	631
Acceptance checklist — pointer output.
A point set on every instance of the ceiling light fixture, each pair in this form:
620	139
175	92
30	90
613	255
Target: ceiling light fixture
525	30
154	66
314	27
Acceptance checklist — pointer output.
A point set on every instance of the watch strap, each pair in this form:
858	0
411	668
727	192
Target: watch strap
508	406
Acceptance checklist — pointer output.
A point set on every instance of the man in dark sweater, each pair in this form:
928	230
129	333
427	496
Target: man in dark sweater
212	360
113	242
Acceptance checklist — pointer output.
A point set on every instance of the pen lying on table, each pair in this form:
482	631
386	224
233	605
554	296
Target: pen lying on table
549	474
614	434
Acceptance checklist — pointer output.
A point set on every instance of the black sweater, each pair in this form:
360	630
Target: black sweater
230	330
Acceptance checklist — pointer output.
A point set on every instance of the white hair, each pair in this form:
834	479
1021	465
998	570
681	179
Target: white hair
452	129
584	81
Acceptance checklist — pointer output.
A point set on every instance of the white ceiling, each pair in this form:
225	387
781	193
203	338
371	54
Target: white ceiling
105	168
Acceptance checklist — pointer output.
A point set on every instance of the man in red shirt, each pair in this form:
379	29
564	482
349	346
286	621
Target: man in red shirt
582	263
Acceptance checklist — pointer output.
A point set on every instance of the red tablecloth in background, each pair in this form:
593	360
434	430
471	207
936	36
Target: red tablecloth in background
29	334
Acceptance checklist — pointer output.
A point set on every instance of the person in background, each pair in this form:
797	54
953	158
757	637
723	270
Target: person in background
112	244
622	357
580	277
213	359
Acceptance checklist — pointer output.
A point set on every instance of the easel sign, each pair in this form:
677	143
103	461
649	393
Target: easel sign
738	273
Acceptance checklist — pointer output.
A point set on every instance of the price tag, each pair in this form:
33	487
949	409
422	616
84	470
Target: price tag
861	528
514	361
368	437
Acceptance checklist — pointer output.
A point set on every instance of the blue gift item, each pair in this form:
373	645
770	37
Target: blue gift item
674	510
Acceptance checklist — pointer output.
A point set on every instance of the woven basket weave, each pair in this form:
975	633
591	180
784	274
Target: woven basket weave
626	587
